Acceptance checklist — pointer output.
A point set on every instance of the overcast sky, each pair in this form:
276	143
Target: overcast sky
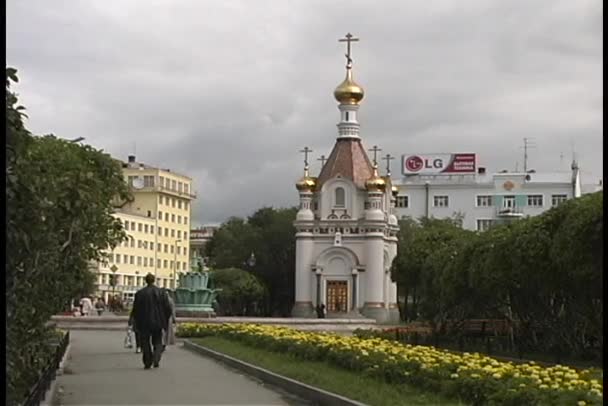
227	92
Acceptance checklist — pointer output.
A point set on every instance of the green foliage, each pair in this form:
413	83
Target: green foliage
543	273
270	235
59	219
241	292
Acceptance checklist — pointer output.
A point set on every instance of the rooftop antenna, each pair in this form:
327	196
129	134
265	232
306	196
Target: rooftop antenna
528	143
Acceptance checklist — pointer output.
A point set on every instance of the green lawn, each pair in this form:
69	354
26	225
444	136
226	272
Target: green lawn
322	375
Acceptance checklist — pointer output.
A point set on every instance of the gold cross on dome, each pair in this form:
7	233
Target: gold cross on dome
306	150
322	159
348	38
388	158
375	150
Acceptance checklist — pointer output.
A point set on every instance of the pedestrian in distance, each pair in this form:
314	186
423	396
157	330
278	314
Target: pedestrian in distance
100	306
151	314
137	335
86	305
169	336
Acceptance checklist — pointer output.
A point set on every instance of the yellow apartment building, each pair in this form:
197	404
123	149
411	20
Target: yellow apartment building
157	222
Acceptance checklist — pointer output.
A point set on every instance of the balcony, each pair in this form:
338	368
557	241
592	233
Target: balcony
510	212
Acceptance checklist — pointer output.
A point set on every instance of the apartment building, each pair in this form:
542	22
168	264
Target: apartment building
437	186
157	223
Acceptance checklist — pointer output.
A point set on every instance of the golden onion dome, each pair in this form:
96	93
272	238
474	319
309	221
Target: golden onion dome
348	92
306	183
375	183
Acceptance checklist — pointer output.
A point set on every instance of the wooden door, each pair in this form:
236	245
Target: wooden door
337	296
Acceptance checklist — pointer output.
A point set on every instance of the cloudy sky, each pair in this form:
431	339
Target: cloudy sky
229	91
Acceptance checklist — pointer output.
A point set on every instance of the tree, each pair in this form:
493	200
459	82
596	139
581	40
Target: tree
241	292
270	235
59	218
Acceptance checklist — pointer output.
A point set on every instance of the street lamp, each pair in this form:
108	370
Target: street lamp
251	260
175	265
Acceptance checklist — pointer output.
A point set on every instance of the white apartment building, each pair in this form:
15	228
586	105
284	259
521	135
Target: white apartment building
481	199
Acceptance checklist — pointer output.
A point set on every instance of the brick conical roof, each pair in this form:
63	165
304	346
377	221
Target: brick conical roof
349	160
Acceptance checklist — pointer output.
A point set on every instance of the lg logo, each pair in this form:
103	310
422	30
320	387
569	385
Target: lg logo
414	163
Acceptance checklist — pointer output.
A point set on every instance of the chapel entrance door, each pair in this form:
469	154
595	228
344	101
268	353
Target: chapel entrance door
337	296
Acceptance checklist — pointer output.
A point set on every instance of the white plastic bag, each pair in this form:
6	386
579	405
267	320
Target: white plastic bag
129	338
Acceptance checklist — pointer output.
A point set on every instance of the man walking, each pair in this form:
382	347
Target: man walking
151	313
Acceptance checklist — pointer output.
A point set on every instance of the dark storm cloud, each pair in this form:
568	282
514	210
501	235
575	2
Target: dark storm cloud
228	92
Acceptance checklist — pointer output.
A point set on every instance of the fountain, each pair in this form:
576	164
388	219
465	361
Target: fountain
193	298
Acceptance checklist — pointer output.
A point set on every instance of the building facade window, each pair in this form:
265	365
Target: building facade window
173	185
179	204
180	187
126	224
556	200
173	218
138	261
165	264
162	181
179	219
145	261
179	234
148	181
166	248
340	197
402	202
132	259
484	224
440	201
186	188
185	236
172	233
167	217
166	232
146	228
535	200
508	202
484	201
160	199
118	258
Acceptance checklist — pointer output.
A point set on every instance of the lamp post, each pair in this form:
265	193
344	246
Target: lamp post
175	265
251	261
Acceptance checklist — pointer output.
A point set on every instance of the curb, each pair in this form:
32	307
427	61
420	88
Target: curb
317	396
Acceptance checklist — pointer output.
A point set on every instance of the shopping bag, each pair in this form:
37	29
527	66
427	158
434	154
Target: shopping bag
129	338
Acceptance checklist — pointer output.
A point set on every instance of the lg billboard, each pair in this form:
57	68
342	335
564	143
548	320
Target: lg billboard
438	164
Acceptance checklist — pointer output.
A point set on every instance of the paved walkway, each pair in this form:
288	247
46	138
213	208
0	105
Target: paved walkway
101	371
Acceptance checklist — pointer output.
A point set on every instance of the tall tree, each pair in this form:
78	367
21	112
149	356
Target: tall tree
59	218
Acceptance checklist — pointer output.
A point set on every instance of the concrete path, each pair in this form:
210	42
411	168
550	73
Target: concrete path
101	372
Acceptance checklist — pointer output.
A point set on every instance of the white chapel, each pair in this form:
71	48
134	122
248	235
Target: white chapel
346	231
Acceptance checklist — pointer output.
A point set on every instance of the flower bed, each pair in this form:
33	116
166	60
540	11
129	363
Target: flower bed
472	378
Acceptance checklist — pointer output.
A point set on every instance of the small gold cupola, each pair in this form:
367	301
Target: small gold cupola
349	92
306	183
376	183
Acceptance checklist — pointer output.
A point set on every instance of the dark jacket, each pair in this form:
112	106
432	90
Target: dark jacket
151	309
